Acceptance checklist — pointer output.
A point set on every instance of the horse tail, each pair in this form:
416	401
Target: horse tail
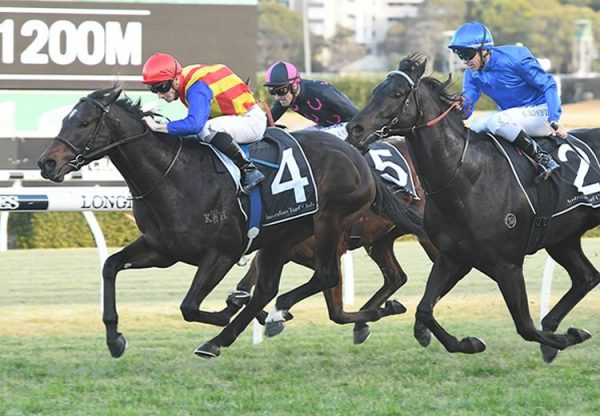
393	207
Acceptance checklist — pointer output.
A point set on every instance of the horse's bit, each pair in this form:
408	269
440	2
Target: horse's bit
388	130
87	154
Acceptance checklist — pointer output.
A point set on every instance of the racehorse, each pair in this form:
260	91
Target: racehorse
188	211
377	236
476	215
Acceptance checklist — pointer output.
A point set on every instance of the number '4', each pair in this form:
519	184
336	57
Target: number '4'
296	181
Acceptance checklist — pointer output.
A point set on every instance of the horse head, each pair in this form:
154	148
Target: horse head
86	134
390	105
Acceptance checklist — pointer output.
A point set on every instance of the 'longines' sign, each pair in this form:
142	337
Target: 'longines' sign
63	45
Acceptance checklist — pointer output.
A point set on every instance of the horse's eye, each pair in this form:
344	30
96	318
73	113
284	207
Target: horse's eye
398	94
84	123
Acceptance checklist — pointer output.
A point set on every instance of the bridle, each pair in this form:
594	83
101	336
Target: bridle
389	130
86	154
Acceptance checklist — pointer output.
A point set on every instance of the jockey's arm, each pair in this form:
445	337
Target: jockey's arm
337	102
198	96
277	110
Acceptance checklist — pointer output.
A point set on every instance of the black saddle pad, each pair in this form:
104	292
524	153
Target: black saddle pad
387	161
289	190
577	183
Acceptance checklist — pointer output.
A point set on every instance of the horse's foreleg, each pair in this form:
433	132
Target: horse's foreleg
212	267
584	277
137	255
445	274
270	266
512	284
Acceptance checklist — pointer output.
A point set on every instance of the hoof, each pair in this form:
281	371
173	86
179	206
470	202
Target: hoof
117	346
361	334
578	335
238	298
274	328
208	350
393	307
422	334
548	353
261	317
472	345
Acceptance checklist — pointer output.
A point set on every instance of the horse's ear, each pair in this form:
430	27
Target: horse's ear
414	65
111	95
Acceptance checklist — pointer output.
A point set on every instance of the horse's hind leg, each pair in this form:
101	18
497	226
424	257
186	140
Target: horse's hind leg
137	255
241	295
584	277
512	285
326	275
382	253
270	266
212	267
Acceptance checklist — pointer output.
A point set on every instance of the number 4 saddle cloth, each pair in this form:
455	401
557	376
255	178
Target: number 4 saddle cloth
577	183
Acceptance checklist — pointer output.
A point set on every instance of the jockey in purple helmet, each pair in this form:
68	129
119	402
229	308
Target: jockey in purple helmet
526	95
317	101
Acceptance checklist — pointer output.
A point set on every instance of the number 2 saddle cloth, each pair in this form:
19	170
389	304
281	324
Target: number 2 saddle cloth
577	183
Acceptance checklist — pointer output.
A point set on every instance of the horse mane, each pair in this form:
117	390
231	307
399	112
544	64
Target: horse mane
126	103
440	88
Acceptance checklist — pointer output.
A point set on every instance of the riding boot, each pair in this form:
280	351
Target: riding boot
250	175
546	165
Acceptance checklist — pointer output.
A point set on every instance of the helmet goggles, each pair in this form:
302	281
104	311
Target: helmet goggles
465	54
279	91
161	87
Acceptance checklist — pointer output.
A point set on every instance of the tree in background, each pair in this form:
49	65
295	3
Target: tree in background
280	37
547	27
342	50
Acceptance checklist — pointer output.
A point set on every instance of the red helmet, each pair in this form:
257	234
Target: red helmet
160	67
281	73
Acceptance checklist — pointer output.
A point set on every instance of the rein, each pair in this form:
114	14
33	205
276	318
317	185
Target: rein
388	130
87	154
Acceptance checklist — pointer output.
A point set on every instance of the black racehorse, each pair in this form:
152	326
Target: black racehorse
187	211
377	236
471	195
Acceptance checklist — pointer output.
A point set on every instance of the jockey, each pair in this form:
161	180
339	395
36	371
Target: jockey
317	101
526	95
221	109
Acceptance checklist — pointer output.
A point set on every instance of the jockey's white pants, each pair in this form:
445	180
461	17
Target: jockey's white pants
246	128
338	130
507	124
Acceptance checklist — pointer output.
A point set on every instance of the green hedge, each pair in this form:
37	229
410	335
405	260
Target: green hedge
69	229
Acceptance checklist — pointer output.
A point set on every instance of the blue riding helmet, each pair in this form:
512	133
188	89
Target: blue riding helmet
473	35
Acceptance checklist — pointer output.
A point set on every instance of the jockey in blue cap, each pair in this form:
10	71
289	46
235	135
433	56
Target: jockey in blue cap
526	95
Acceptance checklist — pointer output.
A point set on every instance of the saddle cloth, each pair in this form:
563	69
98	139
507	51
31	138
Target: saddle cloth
387	161
577	183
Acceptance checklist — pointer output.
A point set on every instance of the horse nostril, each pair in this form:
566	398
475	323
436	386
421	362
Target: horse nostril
47	165
357	129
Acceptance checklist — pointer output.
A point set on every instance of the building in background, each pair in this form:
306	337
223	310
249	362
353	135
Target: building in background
369	20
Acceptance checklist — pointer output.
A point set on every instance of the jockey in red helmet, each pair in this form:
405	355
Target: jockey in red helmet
221	108
318	101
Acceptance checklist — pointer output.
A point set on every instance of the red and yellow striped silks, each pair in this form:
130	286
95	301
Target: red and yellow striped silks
231	95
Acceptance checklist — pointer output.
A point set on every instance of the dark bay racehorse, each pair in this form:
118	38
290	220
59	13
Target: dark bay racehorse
187	211
471	191
377	236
